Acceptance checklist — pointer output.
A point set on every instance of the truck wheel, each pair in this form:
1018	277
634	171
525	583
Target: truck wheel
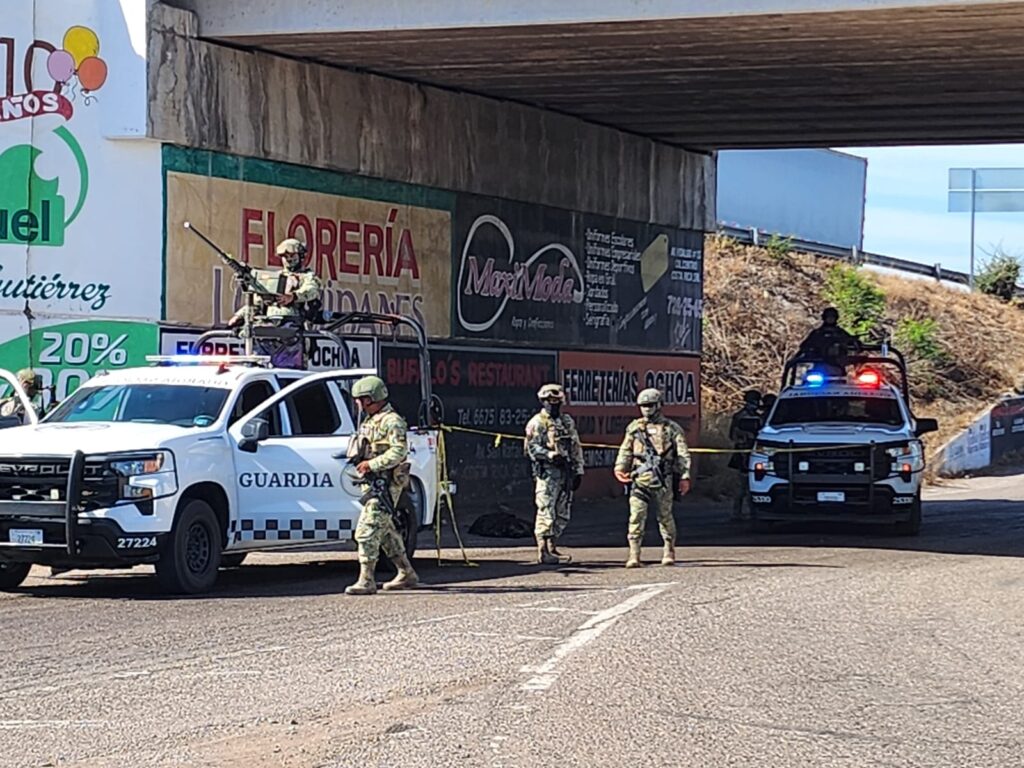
911	526
232	559
188	565
12	574
410	504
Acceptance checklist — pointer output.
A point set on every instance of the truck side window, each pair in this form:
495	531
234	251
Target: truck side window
252	395
312	411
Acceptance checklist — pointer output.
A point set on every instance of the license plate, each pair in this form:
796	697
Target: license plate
831	496
25	536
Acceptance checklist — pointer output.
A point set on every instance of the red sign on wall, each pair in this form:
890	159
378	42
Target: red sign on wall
602	390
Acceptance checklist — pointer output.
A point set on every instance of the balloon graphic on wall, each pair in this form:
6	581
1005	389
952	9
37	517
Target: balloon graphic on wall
81	43
92	73
61	66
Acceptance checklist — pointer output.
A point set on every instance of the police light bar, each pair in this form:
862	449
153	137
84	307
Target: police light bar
221	360
869	378
814	379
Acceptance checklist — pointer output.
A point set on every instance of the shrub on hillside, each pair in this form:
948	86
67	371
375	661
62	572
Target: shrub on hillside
861	303
998	276
919	339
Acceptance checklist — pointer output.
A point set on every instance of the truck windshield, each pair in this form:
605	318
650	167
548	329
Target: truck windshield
855	410
143	403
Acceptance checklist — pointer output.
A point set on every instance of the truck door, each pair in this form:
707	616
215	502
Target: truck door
15	406
291	489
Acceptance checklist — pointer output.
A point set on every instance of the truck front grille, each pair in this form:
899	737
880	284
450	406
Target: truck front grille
45	479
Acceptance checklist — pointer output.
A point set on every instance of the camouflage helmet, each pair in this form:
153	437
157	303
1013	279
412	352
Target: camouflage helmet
291	246
27	376
752	397
551	393
649	396
372	387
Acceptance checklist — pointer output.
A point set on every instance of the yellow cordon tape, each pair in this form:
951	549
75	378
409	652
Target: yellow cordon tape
499	436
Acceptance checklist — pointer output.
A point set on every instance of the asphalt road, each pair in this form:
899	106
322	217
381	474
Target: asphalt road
807	647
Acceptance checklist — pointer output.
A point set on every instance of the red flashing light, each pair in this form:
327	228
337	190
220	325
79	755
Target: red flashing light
869	378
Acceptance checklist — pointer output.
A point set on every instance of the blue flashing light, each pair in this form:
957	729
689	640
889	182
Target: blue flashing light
814	379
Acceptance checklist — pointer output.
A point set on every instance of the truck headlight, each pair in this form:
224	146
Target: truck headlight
143	465
142	477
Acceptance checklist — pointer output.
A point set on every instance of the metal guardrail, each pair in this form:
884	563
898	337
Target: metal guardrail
852	255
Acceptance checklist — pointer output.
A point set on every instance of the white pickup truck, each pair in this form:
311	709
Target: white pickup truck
843	447
189	467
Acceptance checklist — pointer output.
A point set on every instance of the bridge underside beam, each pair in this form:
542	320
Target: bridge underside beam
910	72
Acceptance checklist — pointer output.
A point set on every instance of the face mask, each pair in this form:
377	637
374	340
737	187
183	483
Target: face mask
649	410
553	409
294	263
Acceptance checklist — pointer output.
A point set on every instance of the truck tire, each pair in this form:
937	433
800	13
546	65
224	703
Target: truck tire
12	574
410	504
188	565
911	526
232	559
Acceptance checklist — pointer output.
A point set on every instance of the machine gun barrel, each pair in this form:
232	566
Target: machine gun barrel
243	271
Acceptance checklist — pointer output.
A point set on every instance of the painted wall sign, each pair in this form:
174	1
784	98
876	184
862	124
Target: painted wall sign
66	246
376	255
602	390
530	273
483	389
67	354
324	356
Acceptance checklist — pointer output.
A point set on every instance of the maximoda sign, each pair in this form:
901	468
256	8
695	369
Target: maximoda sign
527	273
72	80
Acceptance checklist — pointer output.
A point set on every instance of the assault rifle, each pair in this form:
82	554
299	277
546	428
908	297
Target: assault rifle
245	274
652	463
378	483
379	488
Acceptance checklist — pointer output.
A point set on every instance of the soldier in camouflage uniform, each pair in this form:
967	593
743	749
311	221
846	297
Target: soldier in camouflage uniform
380	446
301	292
12	406
653	451
301	287
553	447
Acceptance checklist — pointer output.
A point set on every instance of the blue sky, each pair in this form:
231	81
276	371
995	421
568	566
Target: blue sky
905	214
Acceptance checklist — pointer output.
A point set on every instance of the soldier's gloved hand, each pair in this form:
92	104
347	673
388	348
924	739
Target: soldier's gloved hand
363	468
576	482
558	461
284	299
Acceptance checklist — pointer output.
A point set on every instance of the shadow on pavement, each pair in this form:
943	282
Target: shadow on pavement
957	527
960	527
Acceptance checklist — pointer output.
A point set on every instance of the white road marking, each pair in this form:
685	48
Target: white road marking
10	725
545	675
513	637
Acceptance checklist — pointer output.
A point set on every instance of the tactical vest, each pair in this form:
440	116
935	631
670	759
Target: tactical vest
664	446
559	436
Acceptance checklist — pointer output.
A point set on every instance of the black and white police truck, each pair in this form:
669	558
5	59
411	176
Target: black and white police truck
841	446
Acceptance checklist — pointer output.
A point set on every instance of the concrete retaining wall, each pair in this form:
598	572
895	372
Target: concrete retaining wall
209	96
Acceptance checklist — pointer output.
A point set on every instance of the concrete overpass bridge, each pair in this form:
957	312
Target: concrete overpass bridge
696	74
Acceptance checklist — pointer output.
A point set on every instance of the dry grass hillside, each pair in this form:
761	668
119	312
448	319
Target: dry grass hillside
964	349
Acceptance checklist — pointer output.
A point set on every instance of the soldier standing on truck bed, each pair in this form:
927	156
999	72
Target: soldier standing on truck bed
652	452
829	343
12	407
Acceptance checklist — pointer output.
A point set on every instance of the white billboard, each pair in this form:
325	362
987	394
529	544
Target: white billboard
815	195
